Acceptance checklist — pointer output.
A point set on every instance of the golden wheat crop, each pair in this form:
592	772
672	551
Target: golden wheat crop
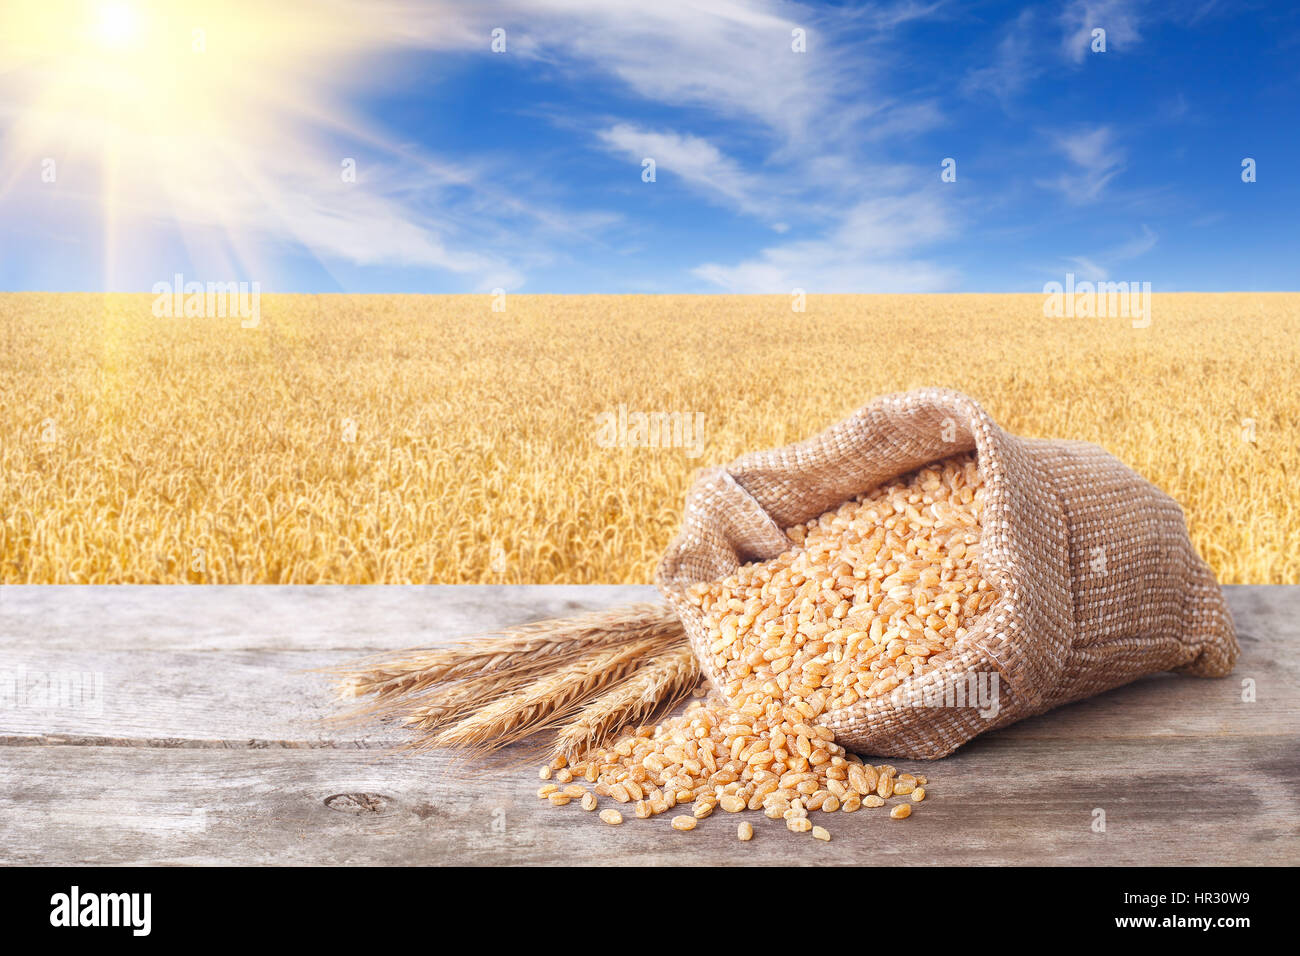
357	439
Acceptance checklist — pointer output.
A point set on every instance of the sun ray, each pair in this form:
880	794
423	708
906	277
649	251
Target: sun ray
179	110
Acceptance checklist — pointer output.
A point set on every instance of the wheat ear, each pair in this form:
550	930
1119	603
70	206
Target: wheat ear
455	702
529	648
660	683
547	702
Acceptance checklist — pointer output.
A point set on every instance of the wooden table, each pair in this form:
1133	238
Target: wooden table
204	739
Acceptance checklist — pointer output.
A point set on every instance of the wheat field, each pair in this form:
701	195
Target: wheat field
409	439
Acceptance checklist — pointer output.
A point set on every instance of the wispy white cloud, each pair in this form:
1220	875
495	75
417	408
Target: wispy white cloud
888	16
730	57
1095	158
867	251
1117	17
1034	43
819	110
1016	61
1138	246
1100	266
699	164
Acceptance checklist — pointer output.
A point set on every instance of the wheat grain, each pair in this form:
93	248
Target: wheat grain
873	592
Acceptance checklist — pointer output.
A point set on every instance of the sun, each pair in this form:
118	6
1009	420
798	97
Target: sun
118	25
179	119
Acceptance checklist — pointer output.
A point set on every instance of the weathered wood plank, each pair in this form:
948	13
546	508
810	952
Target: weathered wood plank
350	619
244	699
210	747
231	666
1201	801
252	684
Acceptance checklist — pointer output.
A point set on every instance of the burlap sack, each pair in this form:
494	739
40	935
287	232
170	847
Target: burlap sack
1098	582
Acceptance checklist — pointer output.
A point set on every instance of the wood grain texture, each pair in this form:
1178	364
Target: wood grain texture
209	743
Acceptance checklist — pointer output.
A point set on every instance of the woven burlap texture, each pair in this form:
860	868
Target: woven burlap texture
1097	579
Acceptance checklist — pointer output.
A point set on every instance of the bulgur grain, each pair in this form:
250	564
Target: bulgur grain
684	823
611	816
902	811
745	831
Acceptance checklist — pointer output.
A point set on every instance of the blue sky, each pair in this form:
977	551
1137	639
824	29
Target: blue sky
774	169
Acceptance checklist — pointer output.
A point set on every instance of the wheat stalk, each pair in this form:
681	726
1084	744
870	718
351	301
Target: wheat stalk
548	701
529	648
660	683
